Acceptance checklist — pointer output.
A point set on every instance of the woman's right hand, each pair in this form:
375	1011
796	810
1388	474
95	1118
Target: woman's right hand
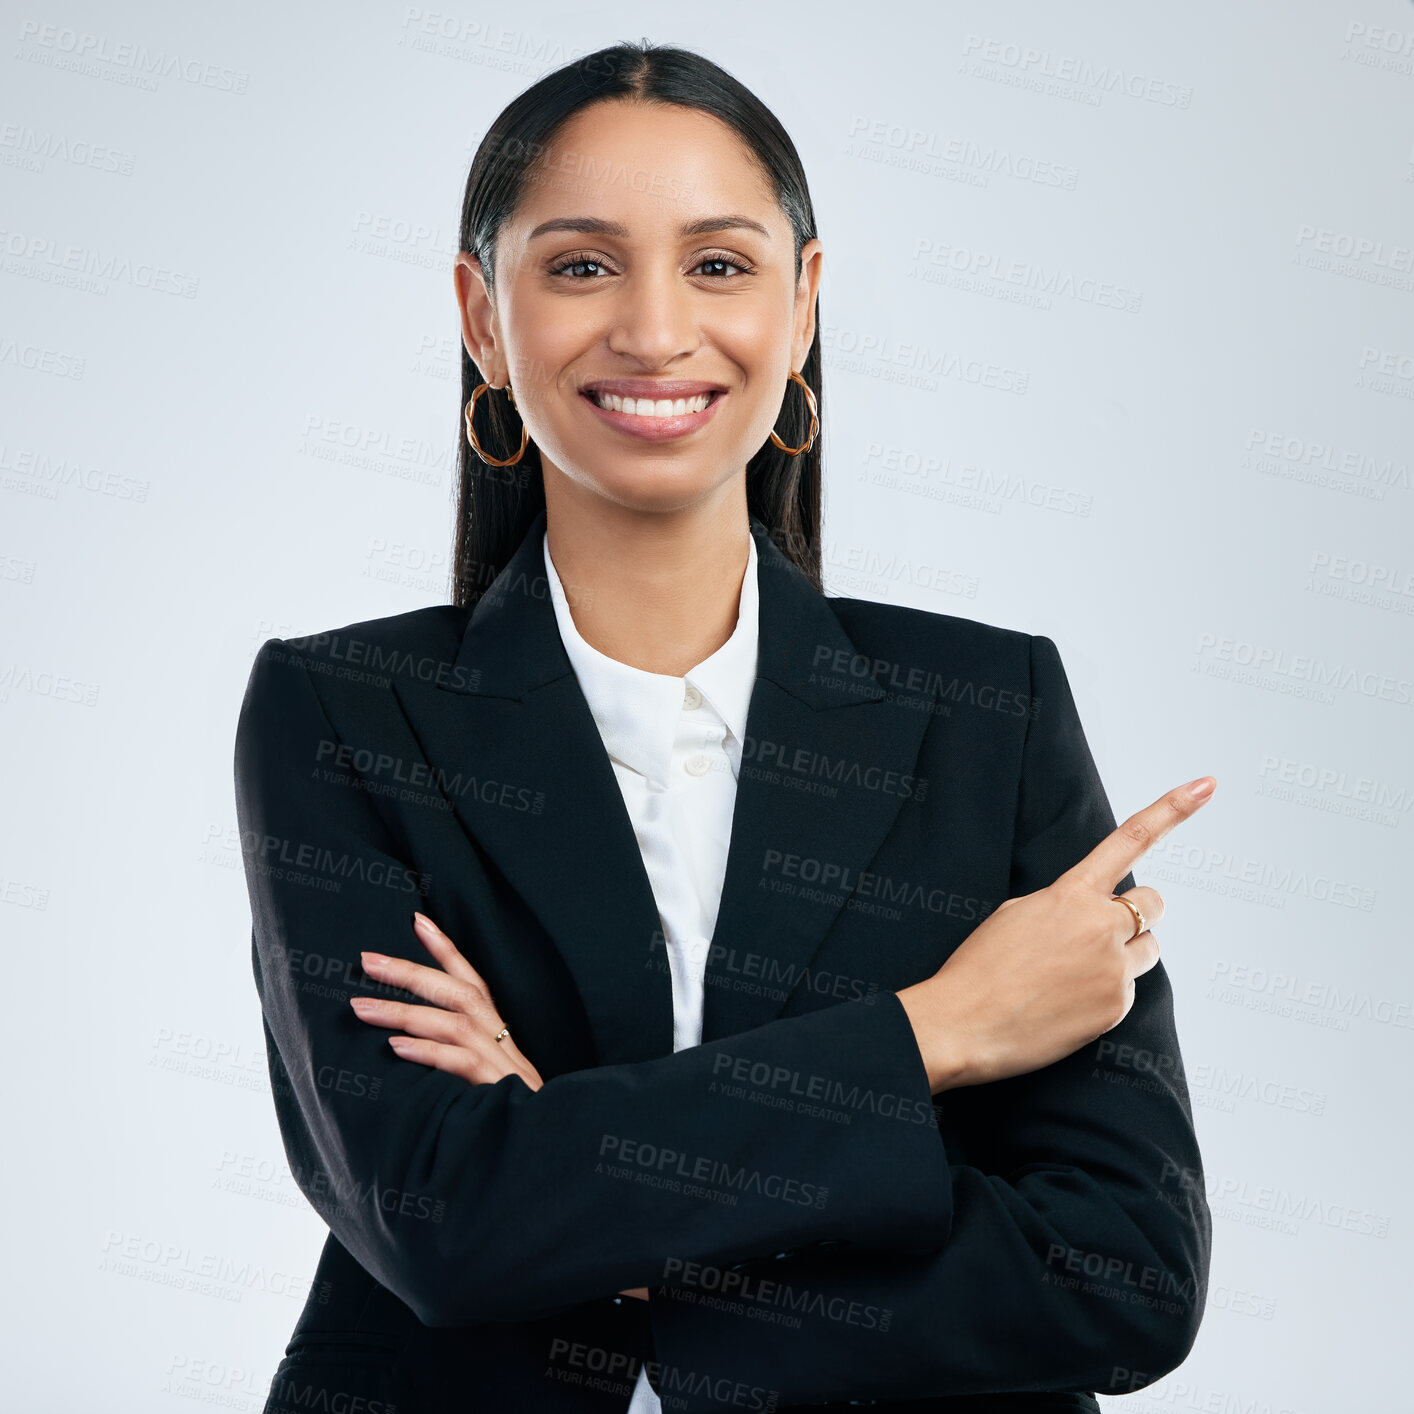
1050	971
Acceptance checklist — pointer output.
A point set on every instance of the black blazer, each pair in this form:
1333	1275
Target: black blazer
815	1227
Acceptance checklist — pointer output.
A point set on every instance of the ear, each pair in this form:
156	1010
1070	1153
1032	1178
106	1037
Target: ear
812	256
480	325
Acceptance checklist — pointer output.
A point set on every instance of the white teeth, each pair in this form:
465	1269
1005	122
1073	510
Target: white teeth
647	407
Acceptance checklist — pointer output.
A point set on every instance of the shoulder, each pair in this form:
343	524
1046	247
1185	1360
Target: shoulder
420	643
968	663
898	634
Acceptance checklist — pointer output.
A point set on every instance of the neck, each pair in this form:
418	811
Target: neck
658	590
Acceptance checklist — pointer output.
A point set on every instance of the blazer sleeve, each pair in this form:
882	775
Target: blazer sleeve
1080	1264
496	1202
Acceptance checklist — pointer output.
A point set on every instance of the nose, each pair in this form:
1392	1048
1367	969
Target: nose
654	318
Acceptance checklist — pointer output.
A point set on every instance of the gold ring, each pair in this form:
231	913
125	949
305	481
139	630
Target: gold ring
504	1031
1139	924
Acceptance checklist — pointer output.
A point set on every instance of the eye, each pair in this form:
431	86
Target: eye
720	258
577	260
719	263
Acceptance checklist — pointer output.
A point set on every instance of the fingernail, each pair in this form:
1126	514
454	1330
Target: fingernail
420	921
372	959
1202	787
398	1043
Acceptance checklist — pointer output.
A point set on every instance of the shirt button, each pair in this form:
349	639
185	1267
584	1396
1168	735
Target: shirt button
691	698
697	764
696	948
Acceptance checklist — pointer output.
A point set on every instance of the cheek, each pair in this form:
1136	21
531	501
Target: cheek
753	336
543	337
762	371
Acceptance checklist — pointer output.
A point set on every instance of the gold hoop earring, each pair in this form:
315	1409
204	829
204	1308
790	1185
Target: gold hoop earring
471	432
814	421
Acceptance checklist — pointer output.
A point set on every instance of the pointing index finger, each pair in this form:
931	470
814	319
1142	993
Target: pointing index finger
1120	850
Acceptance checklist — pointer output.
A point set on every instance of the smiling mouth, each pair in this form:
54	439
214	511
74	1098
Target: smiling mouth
651	407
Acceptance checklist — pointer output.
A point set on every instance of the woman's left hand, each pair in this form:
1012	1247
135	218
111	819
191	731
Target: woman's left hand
456	1033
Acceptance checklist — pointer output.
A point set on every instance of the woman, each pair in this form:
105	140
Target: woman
616	925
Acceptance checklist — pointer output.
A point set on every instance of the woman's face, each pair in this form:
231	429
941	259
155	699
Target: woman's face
668	275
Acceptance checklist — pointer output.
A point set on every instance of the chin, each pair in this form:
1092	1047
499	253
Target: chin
658	486
657	496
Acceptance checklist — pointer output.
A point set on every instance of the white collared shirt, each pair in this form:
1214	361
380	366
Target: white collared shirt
675	745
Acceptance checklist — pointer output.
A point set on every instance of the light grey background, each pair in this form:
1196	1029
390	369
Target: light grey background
228	361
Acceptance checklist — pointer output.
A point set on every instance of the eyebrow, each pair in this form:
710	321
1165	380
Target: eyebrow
596	226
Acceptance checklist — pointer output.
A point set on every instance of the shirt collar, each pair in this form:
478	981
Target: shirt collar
637	712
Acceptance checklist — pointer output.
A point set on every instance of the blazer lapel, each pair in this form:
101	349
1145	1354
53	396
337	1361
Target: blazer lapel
507	728
825	771
508	717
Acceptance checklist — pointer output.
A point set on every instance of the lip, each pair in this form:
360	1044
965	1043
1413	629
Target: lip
655	388
653	429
